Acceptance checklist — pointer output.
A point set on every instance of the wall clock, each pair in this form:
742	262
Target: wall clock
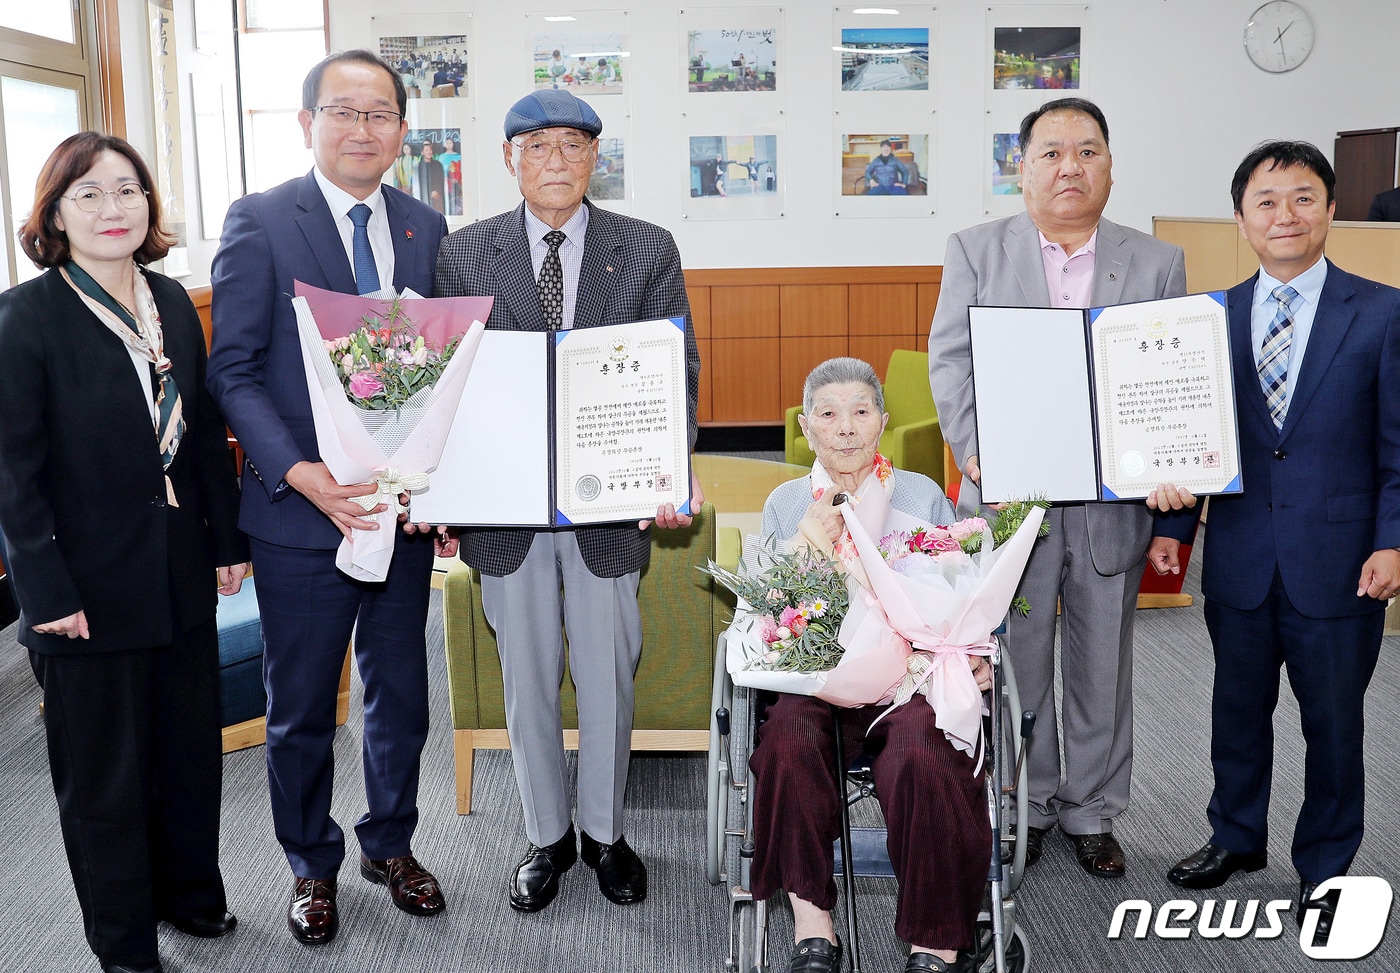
1279	36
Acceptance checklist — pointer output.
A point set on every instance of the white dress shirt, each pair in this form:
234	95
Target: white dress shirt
381	240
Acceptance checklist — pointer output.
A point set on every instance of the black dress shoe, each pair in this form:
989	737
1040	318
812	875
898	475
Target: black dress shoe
210	926
312	915
411	886
1212	865
1099	854
1035	845
126	968
1326	909
621	874
928	963
816	955
536	880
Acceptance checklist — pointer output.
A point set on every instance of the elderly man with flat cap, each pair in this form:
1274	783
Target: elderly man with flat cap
556	261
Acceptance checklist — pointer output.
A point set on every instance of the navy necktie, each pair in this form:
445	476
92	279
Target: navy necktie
366	273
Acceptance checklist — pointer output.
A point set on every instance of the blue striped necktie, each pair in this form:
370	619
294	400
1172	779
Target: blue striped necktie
366	273
1273	355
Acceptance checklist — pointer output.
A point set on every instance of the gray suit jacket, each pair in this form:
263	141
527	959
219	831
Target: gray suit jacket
1000	264
631	272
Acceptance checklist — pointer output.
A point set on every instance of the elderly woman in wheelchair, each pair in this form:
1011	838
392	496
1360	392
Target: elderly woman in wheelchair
933	801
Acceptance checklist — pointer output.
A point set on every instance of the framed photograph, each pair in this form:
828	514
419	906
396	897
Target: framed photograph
884	59
1006	163
723	166
1035	58
608	180
584	63
737	59
431	67
429	168
884	164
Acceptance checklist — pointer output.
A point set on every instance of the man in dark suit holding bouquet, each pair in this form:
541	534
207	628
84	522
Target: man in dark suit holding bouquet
1297	568
336	228
554	262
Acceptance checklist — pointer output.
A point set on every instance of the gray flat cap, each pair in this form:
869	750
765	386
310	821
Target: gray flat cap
551	108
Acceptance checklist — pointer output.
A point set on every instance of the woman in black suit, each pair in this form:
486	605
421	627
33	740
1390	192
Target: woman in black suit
119	503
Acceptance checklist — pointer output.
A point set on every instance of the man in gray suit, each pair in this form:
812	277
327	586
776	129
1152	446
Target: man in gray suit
1061	253
554	262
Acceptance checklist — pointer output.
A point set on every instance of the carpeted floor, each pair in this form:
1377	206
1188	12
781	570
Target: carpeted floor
683	925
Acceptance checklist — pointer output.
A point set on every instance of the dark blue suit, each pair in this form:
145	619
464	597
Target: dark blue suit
270	240
1281	565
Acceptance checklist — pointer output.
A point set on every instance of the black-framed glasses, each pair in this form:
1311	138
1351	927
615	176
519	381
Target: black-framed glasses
537	151
345	117
90	200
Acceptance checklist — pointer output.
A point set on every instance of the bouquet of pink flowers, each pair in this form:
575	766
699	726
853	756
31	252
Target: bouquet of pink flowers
385	373
920	602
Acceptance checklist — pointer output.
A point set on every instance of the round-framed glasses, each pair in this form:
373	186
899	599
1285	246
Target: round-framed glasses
537	151
344	117
90	200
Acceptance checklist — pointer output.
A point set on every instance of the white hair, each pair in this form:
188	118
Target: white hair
840	371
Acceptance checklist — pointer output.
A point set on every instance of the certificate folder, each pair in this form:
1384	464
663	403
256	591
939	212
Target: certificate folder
582	426
1104	403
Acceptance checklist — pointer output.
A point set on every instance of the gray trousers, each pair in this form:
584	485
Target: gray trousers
553	591
1096	665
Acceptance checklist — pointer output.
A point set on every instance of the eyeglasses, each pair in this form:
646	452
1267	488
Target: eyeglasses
90	200
344	117
537	151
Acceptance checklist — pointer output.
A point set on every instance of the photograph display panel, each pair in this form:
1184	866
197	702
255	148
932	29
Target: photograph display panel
884	164
609	181
1032	55
437	162
884	59
431	66
732	59
732	110
585	62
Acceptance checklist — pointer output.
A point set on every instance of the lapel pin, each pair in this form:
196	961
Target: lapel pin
408	234
609	270
1110	276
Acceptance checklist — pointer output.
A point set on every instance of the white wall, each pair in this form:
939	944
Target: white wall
1183	102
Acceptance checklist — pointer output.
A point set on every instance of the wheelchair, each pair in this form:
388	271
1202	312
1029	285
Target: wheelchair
1000	945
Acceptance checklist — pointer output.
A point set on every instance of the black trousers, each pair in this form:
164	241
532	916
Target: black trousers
135	755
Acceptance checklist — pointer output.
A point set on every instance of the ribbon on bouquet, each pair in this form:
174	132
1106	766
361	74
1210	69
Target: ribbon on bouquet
955	697
389	486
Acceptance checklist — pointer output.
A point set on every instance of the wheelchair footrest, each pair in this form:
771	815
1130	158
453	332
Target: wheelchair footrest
872	859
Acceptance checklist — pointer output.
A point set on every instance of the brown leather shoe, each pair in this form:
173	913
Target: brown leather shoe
411	886
1099	854
312	915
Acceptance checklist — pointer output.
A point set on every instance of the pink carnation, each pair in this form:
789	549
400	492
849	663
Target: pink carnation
768	630
363	385
965	529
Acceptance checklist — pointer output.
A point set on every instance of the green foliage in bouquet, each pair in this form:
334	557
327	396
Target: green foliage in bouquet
798	600
382	364
1008	521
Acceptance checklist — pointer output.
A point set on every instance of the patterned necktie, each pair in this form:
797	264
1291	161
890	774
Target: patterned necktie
1273	356
552	282
366	273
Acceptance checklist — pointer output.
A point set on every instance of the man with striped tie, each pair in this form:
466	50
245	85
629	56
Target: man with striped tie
1297	568
338	228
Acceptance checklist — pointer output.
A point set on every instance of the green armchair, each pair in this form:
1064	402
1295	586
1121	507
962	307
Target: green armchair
912	440
683	613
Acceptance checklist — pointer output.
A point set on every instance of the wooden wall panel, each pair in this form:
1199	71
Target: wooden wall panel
743	381
876	349
744	312
808	310
201	297
928	300
700	310
798	356
704	409
884	309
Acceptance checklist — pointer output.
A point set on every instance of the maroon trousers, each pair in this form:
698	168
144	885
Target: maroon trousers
939	840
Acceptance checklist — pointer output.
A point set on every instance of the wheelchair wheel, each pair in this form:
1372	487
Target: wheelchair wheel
1018	950
748	932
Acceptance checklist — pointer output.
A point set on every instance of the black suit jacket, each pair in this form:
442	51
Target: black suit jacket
631	271
82	493
1385	208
